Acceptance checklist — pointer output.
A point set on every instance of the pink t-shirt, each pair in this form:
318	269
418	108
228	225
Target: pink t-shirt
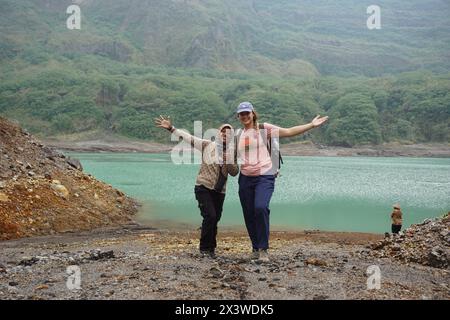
252	150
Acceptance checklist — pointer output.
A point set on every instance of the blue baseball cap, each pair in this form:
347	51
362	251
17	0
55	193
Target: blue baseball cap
244	106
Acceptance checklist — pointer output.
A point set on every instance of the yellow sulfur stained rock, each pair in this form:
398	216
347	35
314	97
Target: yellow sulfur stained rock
41	287
3	197
60	189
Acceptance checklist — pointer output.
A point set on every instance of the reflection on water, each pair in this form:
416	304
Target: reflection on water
328	193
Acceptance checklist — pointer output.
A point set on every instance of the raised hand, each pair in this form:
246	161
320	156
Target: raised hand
162	122
318	121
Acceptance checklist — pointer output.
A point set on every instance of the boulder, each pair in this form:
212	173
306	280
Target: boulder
75	163
59	189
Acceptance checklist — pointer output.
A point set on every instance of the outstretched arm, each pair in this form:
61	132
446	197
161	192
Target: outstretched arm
196	142
294	131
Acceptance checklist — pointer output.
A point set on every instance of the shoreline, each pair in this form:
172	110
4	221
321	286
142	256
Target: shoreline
136	228
174	226
432	150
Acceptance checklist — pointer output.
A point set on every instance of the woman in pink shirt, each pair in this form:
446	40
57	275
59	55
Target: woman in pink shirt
257	177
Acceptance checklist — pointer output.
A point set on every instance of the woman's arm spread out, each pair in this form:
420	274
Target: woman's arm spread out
294	131
196	142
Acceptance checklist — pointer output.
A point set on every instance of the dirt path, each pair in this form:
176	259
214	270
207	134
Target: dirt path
142	263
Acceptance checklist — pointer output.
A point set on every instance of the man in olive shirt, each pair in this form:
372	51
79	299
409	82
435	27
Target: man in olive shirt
210	185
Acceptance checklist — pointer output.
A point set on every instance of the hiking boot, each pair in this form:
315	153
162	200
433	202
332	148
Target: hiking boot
263	256
255	255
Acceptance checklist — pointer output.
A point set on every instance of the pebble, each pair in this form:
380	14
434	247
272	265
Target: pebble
216	272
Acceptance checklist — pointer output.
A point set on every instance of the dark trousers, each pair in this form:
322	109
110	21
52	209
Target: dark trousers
396	228
255	194
210	204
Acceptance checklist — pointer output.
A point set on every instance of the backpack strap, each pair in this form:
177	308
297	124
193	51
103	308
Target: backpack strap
237	137
268	143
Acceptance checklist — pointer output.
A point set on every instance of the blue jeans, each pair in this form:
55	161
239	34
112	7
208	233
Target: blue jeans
255	194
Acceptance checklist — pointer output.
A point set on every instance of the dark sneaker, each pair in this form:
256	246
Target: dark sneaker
208	254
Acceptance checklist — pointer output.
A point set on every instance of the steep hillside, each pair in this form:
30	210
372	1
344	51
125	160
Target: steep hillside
196	59
276	37
43	192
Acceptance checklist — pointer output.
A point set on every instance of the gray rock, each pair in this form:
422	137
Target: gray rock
12	290
276	279
99	255
28	261
216	272
75	163
262	279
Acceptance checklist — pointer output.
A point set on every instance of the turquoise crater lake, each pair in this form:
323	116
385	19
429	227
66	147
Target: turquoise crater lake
326	193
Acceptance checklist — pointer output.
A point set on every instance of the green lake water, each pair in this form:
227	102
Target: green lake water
326	193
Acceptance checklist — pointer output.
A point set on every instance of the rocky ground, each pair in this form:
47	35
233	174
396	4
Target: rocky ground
44	192
141	263
427	243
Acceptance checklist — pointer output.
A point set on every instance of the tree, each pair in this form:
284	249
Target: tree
354	121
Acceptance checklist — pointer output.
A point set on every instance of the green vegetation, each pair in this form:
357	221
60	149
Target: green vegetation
196	60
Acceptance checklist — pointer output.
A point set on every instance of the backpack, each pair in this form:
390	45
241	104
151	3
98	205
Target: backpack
276	157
